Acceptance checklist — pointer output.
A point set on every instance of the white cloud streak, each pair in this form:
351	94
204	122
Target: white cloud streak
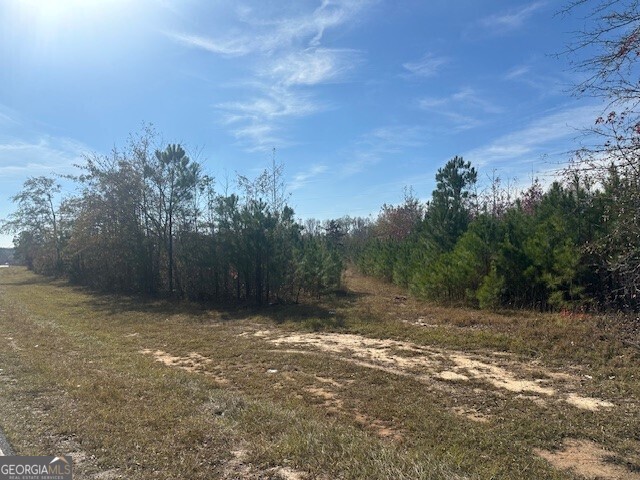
44	156
272	35
545	135
428	66
314	66
511	20
302	179
380	142
257	123
461	108
287	60
230	48
545	84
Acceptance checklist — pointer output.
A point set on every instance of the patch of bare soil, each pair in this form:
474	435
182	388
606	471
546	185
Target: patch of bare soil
194	363
331	402
589	460
588	403
471	414
427	364
239	468
380	428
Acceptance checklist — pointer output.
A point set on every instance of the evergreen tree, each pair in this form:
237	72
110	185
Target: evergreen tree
448	212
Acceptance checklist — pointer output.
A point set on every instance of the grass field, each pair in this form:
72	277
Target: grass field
368	383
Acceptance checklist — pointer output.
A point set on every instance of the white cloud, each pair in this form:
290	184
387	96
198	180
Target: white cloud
253	36
8	117
470	97
231	47
517	72
428	66
286	58
546	135
259	137
313	66
41	157
461	108
511	20
257	123
395	138
548	84
380	142
312	27
273	103
460	121
302	179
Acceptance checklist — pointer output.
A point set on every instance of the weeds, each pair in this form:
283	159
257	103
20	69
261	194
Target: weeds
73	380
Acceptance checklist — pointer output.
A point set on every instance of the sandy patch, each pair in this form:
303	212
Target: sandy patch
453	376
321	392
329	399
112	474
329	381
380	428
588	403
193	363
587	459
380	352
498	376
471	414
428	364
238	467
287	473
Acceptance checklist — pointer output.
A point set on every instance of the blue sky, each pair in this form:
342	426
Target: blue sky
360	98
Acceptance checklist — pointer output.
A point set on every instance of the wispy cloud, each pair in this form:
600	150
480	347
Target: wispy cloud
259	35
394	138
428	66
229	47
547	135
43	156
302	179
374	146
510	20
271	104
518	72
545	84
287	59
8	117
257	123
461	108
313	66
469	96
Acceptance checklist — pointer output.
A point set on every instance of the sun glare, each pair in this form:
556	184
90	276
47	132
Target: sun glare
62	30
49	17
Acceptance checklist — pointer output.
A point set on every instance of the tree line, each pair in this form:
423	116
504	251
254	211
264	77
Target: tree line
149	220
574	246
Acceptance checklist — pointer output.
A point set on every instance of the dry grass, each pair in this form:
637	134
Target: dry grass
137	389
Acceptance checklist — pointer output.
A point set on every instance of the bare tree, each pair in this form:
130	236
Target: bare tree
606	52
